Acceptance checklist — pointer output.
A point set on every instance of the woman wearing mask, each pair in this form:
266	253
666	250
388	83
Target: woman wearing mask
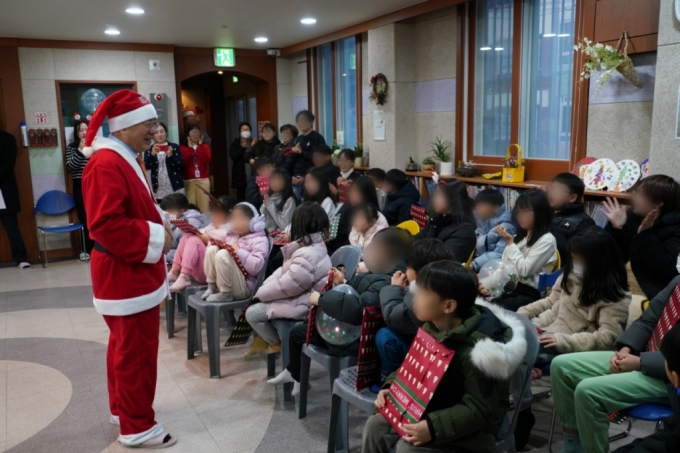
76	161
196	158
239	148
164	161
265	147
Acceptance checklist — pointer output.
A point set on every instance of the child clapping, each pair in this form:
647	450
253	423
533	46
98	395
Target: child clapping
248	239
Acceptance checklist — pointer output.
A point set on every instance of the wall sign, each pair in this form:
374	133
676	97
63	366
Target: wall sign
378	125
224	58
41	118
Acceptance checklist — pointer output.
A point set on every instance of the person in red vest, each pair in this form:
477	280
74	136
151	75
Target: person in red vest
127	264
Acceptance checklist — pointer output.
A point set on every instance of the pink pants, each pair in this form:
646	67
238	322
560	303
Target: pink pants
189	257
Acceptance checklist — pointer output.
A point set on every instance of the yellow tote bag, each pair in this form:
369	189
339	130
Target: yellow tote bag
515	174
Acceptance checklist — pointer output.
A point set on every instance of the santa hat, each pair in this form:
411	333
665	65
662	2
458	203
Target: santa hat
188	112
124	108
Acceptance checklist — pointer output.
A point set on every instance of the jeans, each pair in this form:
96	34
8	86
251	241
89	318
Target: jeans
392	348
379	437
256	315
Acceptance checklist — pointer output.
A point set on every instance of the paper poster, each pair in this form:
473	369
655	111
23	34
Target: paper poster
379	125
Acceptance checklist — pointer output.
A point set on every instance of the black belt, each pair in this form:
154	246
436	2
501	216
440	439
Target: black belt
100	248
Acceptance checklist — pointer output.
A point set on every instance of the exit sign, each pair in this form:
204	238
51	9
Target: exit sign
225	58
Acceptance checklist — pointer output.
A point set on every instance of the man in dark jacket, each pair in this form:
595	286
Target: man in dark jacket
565	193
396	302
668	440
262	167
388	248
401	195
9	199
304	145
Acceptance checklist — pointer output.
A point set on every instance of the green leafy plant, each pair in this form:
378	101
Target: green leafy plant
604	59
359	150
440	150
335	148
428	161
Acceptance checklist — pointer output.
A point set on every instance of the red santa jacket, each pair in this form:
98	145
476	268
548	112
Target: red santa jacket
123	218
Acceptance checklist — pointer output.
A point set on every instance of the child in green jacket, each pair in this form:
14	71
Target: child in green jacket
468	407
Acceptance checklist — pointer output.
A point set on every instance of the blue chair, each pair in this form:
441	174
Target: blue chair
56	202
646	412
547	281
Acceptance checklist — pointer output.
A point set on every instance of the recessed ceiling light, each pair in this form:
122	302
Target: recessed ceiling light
485	48
112	31
220	72
308	21
563	35
261	39
498	49
549	35
134	10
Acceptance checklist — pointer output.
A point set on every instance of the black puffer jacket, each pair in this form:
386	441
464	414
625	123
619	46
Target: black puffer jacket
397	309
653	253
283	162
262	149
460	239
571	221
350	308
398	205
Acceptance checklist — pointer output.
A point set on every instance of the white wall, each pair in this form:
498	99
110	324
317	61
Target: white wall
291	82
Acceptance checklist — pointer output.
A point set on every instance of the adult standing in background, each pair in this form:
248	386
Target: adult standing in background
196	157
304	146
128	266
76	161
265	147
190	119
284	158
164	161
238	150
9	199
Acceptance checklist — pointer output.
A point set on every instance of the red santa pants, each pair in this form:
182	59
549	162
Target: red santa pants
131	366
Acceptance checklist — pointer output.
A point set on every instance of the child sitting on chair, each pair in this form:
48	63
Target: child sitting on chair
396	301
178	207
188	261
388	249
248	239
587	309
285	294
490	212
468	407
367	220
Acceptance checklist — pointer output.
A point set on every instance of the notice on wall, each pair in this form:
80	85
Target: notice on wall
677	117
379	125
41	118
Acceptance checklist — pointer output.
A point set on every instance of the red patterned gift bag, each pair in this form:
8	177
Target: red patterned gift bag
368	366
669	317
232	252
416	381
419	214
343	190
263	184
185	226
311	325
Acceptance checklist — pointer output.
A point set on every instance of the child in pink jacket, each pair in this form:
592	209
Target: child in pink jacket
248	238
285	294
366	221
188	261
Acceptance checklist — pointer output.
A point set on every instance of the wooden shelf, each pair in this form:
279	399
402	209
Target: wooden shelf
528	184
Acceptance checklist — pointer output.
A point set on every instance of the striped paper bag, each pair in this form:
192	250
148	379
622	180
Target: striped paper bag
368	365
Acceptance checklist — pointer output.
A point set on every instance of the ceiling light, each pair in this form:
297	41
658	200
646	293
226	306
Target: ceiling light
498	49
308	21
112	31
563	35
485	48
134	10
220	72
549	35
261	39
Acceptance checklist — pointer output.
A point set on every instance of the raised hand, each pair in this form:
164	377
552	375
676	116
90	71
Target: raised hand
614	212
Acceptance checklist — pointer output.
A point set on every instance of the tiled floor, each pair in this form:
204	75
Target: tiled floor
53	394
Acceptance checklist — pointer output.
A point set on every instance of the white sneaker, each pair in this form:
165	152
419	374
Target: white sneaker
114	420
84	256
284	377
296	389
24	265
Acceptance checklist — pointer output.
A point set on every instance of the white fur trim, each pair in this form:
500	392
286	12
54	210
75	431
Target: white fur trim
136	439
123	307
188	113
156	243
500	360
107	143
132	118
88	151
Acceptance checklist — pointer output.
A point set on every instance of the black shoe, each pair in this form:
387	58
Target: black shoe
525	423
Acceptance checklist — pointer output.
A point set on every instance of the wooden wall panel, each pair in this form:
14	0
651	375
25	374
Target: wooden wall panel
637	17
13	114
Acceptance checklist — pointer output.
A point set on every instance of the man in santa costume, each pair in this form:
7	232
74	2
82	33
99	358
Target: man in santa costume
127	265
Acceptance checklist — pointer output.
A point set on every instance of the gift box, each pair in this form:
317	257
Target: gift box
368	365
263	184
419	214
416	381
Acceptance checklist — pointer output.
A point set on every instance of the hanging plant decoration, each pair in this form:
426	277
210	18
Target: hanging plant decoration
606	59
379	89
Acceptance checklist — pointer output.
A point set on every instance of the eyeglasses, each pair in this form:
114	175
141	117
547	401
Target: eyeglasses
152	127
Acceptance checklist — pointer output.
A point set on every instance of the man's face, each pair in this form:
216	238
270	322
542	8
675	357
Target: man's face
320	159
139	136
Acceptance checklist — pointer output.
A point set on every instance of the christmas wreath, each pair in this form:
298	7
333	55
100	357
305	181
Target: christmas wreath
379	89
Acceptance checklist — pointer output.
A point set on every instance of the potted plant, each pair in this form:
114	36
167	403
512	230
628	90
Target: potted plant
359	154
428	164
606	59
466	168
440	151
336	151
